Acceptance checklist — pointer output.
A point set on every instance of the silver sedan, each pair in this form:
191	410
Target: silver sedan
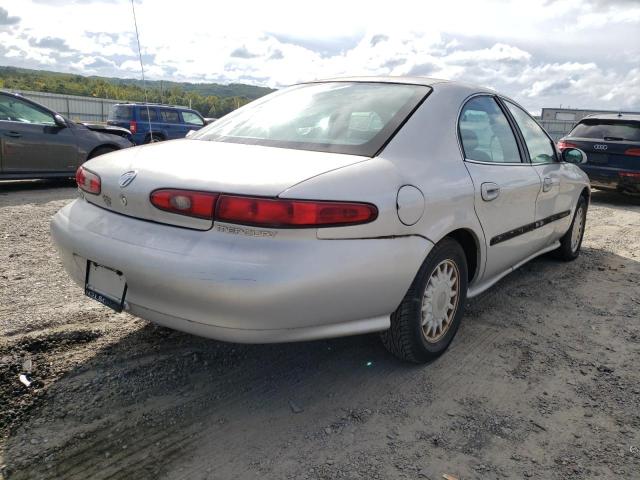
329	208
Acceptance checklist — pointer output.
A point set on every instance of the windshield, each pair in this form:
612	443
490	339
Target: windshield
341	117
607	130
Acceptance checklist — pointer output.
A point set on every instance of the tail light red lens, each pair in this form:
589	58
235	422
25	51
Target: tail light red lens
267	212
133	126
562	145
634	152
634	175
88	181
185	202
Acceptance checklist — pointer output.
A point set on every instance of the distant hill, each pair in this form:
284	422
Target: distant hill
211	99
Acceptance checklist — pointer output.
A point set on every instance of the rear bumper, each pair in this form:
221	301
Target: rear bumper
613	178
242	289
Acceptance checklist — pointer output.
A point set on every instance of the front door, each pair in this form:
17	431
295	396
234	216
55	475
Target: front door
31	141
556	197
506	187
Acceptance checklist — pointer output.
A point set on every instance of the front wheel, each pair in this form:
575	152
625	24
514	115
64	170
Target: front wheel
571	242
428	318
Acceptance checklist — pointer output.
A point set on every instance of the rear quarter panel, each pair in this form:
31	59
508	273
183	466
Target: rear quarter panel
425	154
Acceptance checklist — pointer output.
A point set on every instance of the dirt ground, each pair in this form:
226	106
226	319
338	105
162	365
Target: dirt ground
541	382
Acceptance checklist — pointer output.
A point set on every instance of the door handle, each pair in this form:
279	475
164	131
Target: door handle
489	191
548	183
13	134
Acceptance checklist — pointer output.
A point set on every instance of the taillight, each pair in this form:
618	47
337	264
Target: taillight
562	145
629	174
88	181
634	152
275	213
133	126
185	202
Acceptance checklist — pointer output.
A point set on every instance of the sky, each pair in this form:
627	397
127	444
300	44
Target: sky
542	53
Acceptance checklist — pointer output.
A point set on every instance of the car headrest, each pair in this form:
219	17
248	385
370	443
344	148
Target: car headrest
469	138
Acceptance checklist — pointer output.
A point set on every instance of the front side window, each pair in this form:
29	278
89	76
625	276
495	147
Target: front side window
607	130
15	110
485	132
192	119
170	116
343	117
541	149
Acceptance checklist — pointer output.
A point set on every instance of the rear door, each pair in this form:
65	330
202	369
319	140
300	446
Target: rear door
172	123
150	121
506	186
611	146
557	196
32	142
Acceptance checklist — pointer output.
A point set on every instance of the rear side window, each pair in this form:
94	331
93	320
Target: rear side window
170	116
147	114
603	130
485	132
121	112
192	119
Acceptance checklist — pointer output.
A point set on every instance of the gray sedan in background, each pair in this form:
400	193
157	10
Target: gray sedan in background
329	208
36	142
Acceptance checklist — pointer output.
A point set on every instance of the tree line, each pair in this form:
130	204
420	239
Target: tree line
172	93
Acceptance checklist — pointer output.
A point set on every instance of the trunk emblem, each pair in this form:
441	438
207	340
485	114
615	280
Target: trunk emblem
126	178
600	147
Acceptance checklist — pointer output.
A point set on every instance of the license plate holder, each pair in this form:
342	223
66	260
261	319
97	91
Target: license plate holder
105	285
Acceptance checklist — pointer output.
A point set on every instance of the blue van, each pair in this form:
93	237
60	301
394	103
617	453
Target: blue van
154	122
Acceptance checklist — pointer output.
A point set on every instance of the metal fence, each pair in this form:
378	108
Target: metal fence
558	128
85	109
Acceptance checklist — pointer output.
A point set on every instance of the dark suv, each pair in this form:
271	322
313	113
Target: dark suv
153	122
612	145
36	142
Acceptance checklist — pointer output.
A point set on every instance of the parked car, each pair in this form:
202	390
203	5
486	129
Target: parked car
154	123
329	208
36	142
612	145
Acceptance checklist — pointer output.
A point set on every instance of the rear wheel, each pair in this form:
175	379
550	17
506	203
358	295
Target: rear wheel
429	316
571	242
154	138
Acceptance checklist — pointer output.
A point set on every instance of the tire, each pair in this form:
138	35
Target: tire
154	139
101	151
407	338
570	246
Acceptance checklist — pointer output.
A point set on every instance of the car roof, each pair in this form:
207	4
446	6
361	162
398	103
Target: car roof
151	105
410	80
613	116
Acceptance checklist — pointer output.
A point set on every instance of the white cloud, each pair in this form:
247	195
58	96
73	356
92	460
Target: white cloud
541	52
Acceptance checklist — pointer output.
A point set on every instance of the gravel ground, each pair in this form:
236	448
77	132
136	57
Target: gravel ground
541	382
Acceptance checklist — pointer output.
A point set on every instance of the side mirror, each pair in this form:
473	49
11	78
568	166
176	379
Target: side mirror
574	155
190	134
60	121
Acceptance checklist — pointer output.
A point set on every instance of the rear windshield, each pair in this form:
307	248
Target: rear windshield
340	117
607	130
121	112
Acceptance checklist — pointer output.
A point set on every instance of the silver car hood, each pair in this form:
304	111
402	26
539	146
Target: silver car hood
203	165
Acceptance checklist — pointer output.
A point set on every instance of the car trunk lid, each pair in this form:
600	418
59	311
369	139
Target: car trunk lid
202	166
608	152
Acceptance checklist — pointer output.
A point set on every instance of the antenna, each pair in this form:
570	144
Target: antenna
144	83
